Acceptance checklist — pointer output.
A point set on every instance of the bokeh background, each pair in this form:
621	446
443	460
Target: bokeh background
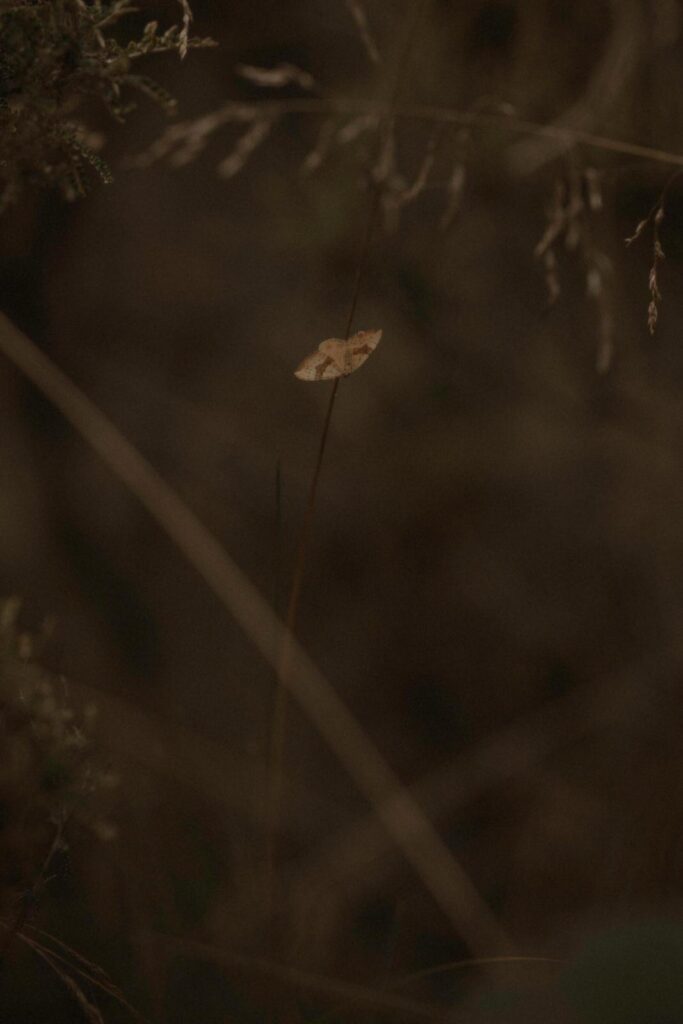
494	581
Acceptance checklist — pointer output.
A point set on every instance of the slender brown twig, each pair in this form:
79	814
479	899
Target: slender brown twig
285	975
29	898
452	966
279	717
66	959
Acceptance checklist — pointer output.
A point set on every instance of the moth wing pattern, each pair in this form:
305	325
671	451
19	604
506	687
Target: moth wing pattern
317	366
337	351
363	344
337	358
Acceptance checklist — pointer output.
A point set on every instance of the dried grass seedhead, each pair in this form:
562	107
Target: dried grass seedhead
575	202
656	218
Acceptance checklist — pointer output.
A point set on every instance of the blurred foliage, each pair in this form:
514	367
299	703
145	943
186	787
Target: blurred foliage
55	56
48	774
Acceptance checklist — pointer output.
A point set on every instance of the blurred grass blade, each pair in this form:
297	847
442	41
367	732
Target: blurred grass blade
400	814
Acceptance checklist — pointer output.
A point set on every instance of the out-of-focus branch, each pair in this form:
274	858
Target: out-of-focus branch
184	140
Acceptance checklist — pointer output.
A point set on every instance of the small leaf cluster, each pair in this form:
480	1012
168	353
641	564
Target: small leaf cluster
56	57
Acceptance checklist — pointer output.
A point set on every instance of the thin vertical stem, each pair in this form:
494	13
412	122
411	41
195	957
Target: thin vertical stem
279	717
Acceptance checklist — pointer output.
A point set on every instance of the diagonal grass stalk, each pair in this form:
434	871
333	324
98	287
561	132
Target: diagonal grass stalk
399	813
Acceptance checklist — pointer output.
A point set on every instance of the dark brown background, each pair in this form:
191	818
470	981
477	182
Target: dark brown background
499	526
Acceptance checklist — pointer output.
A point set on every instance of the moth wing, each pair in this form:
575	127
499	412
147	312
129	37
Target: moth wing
337	351
337	358
317	366
362	345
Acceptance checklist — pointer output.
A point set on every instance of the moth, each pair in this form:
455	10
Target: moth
337	358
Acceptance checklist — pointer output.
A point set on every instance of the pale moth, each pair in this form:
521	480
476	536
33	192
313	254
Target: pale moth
337	358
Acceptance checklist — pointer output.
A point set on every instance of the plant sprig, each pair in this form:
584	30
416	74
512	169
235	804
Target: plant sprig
53	58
